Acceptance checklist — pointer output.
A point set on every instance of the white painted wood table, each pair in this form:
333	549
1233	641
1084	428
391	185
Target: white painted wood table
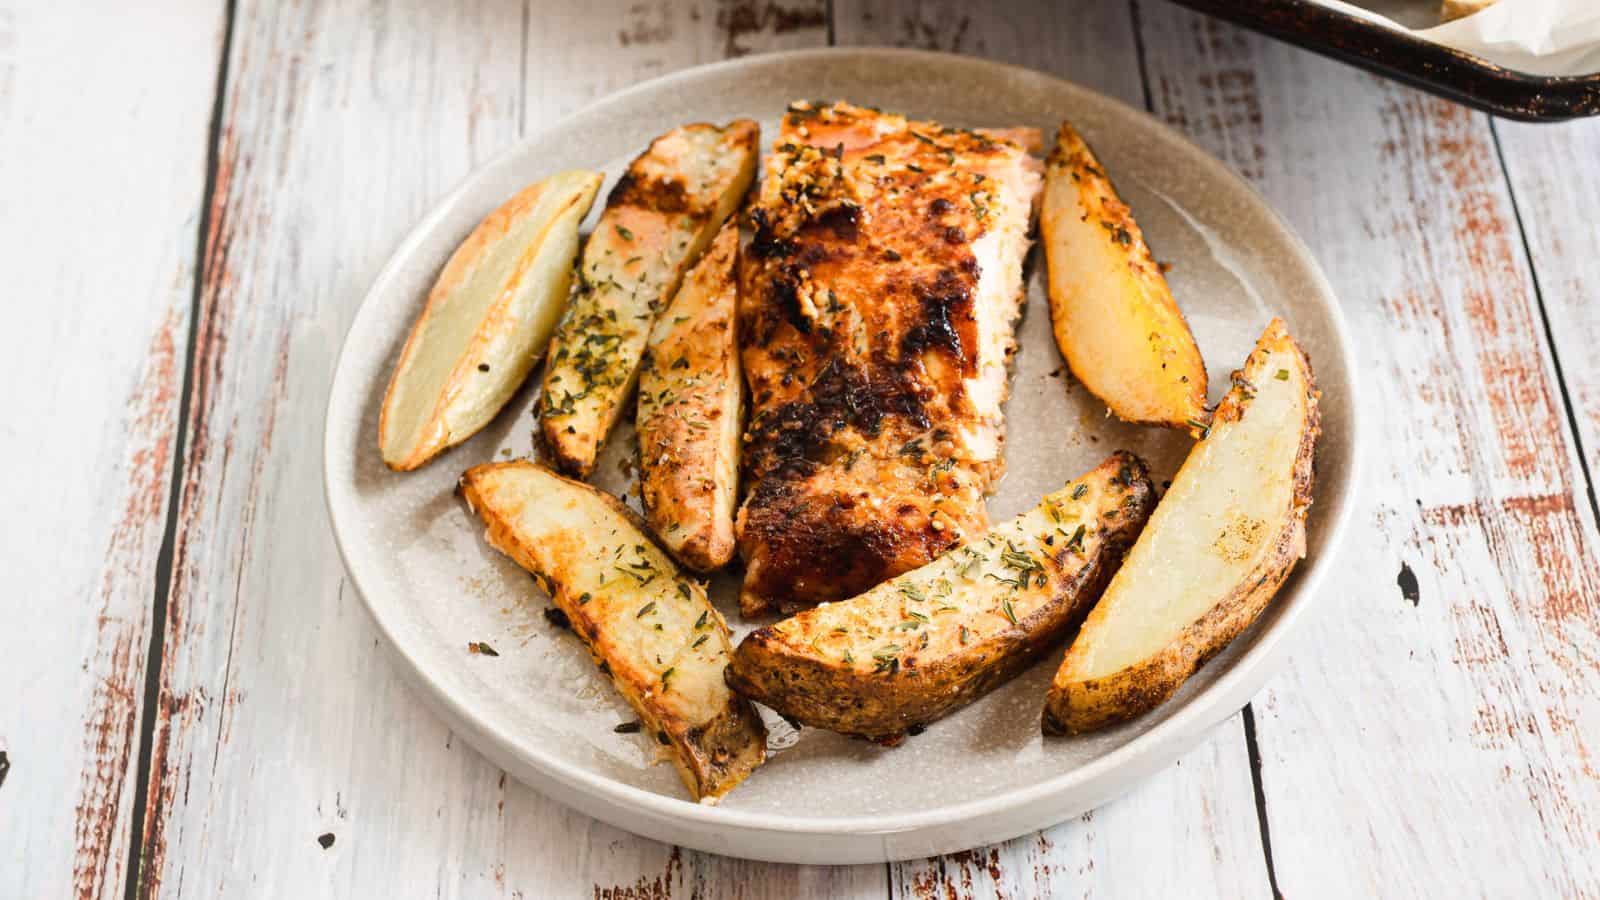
194	196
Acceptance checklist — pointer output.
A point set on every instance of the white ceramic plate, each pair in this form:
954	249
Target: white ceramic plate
537	709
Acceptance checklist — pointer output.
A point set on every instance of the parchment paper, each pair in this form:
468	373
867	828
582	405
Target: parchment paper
1540	37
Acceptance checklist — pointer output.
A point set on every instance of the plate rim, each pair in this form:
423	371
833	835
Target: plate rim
1186	726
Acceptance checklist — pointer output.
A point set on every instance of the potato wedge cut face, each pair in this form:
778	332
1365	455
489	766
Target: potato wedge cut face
487	320
1114	317
932	640
658	220
646	624
1219	544
691	394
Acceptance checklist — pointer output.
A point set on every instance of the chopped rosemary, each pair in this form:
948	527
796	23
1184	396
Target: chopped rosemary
645	610
626	234
1011	614
1076	541
1283	375
1079	491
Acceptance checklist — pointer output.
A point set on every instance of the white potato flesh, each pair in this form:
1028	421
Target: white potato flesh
1212	530
652	628
487	321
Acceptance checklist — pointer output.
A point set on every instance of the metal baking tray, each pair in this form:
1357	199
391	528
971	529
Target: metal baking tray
1436	69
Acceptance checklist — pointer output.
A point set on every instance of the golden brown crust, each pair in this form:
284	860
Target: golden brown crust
659	218
864	329
1075	706
1112	312
953	640
690	396
713	747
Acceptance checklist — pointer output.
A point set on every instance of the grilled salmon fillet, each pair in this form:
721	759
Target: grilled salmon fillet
877	307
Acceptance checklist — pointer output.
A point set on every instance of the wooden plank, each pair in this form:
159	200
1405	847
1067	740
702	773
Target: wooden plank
1189	831
289	759
1436	734
1555	180
102	175
1192	830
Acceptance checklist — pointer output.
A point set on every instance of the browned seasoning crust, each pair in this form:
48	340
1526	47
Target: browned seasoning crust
933	640
691	396
635	627
874	346
1076	707
659	218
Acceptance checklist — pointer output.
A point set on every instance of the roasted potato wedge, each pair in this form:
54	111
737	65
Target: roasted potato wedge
1114	317
691	395
1218	547
936	638
649	628
658	220
1450	10
486	322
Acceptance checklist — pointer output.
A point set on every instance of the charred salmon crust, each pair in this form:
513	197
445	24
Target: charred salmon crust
878	301
934	639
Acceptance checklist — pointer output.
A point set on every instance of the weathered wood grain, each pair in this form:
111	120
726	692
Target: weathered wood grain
102	177
280	720
1434	733
288	758
1555	180
1192	830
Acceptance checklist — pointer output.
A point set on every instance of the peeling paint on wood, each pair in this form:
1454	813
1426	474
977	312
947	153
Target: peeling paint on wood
745	24
1556	184
99	354
1492	686
1472	709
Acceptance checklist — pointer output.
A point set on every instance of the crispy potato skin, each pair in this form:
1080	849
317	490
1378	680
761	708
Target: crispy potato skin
715	742
1112	312
659	218
492	332
841	688
691	394
1077	706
